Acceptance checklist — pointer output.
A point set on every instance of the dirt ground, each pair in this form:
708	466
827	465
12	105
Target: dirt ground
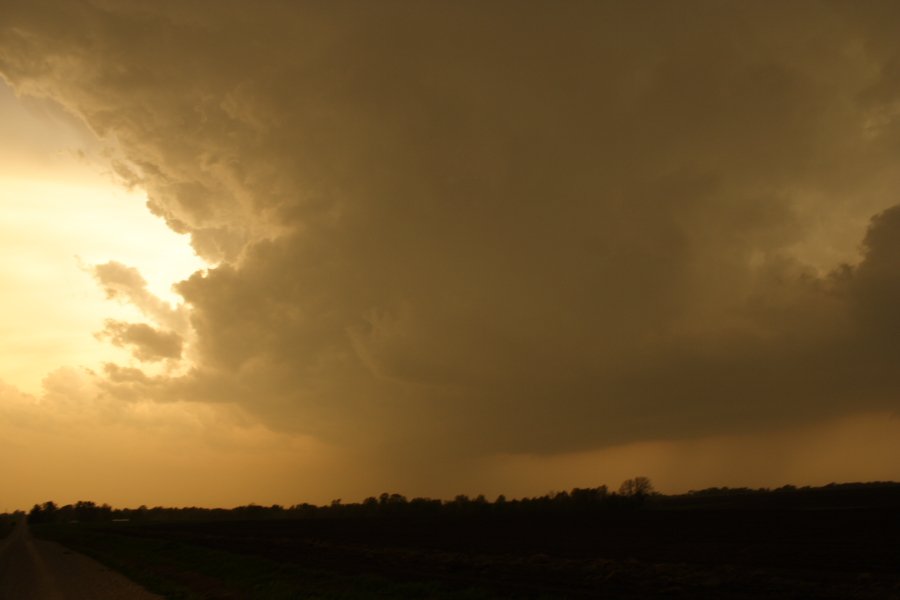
33	569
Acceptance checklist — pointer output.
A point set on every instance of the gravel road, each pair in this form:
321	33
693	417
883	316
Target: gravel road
32	569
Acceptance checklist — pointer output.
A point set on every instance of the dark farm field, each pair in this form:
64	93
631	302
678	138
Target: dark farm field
660	553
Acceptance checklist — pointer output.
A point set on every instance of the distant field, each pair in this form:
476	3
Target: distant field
188	569
693	553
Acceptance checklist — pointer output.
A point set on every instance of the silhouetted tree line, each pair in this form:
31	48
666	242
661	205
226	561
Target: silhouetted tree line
633	494
834	495
83	511
6	523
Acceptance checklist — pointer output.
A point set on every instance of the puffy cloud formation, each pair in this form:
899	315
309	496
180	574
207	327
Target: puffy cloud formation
480	227
148	343
128	285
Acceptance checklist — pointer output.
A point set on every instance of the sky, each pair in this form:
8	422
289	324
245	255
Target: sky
307	251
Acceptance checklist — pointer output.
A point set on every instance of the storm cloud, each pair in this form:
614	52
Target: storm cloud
503	227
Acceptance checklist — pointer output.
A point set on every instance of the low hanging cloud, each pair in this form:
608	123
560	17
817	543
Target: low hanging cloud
147	343
471	228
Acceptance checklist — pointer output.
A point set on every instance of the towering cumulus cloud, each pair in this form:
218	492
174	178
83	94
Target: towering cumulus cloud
477	227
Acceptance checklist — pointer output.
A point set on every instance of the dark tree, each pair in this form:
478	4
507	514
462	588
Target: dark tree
638	487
